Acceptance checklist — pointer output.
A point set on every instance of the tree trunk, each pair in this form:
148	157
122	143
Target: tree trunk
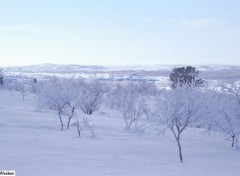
60	118
180	150
78	129
177	137
233	141
69	118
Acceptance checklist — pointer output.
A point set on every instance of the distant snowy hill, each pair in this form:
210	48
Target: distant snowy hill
90	68
133	72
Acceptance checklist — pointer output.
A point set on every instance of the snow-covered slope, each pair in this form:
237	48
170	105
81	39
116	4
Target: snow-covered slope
32	144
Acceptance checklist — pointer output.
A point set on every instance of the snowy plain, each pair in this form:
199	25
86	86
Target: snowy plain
31	143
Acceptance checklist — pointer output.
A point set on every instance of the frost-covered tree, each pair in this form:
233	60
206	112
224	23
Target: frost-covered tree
65	96
50	98
180	108
23	90
146	88
131	102
232	88
143	88
227	118
20	86
71	88
90	96
59	95
113	96
185	76
132	109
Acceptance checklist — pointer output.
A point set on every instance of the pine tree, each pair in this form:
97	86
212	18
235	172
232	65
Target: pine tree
1	77
185	76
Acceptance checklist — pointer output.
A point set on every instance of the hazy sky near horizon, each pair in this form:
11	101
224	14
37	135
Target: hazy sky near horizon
113	32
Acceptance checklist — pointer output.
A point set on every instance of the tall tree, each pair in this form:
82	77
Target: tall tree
180	108
185	76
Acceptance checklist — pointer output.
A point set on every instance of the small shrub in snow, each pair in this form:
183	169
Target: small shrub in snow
85	125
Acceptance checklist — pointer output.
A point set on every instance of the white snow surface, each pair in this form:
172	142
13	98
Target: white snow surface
31	143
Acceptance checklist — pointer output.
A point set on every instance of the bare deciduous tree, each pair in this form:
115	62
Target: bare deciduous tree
227	119
60	96
132	109
131	102
90	96
180	108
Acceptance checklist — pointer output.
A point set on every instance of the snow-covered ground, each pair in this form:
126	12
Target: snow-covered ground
32	144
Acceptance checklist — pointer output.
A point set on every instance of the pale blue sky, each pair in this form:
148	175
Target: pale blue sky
121	32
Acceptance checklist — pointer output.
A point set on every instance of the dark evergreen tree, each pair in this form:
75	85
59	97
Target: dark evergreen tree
185	76
1	77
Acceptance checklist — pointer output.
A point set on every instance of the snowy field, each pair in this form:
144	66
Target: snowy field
32	144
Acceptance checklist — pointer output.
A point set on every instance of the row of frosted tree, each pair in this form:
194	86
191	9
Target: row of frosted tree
187	102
